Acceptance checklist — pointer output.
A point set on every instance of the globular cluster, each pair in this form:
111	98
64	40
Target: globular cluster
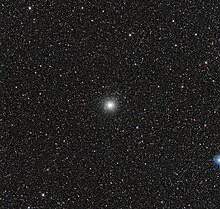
110	104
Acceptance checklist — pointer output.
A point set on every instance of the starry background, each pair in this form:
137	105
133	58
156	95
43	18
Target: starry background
159	60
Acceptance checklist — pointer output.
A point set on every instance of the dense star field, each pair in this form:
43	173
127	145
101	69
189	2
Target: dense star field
110	104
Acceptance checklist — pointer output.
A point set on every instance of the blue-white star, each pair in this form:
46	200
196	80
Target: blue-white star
216	159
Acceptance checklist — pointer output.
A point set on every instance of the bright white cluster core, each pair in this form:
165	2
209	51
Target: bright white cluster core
110	105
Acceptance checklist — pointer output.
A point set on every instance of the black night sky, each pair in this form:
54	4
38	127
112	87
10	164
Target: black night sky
110	104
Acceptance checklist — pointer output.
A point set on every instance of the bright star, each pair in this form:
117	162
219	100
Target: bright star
216	160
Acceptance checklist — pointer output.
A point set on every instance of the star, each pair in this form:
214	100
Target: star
216	159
